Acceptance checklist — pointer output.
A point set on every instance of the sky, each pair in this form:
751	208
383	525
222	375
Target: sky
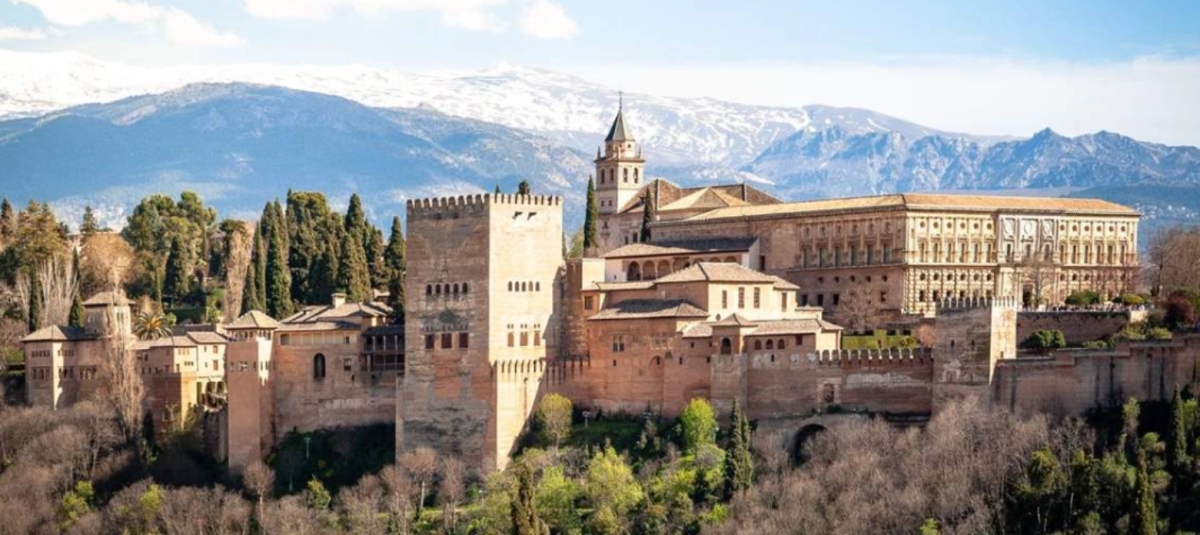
1001	68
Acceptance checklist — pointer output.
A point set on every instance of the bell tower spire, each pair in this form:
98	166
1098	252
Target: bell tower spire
619	168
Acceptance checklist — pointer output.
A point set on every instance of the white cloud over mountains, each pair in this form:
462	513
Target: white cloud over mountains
178	26
22	34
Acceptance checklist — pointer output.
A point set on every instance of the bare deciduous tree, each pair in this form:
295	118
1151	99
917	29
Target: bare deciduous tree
421	465
361	504
58	283
451	490
857	309
1037	277
108	263
119	375
1174	254
259	480
399	495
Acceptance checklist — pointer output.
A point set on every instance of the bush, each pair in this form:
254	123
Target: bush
1131	300
1158	333
1045	340
1096	344
1178	312
1083	298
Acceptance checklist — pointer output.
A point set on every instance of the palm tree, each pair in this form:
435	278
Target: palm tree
151	325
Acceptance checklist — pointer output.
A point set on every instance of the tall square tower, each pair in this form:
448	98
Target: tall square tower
481	288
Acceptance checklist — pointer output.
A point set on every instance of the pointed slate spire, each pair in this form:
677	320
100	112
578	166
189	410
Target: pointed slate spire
619	132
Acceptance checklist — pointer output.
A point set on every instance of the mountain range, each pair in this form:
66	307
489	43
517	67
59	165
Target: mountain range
85	130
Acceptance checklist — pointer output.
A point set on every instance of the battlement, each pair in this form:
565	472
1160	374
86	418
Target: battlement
951	304
440	205
871	357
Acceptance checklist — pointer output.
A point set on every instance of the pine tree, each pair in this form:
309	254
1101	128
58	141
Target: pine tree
589	218
1177	450
89	227
352	277
177	280
647	215
279	284
739	465
524	514
523	188
35	304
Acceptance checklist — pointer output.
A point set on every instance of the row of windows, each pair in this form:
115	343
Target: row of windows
853	278
446	289
854	227
741	298
526	336
523	286
835	299
950	276
937	295
447	341
848	256
40	353
315	339
43	373
611	176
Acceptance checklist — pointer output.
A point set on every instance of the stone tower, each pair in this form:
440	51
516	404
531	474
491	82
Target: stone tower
619	170
251	403
970	337
481	292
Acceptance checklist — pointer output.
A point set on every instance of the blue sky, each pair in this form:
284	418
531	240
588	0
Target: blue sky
987	67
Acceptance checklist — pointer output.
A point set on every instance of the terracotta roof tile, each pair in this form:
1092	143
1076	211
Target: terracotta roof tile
649	309
58	333
683	247
253	319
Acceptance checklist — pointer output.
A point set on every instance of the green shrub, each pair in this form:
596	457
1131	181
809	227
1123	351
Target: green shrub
1045	340
1130	300
1158	333
1096	344
1083	298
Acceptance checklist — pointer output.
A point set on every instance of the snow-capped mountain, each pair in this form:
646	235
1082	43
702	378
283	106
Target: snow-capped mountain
678	131
241	145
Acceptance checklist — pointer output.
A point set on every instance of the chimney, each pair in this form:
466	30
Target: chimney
339	299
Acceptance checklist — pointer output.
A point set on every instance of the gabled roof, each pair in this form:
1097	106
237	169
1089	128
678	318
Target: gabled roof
804	326
633	285
650	309
253	320
107	298
58	333
347	310
703	199
735	320
667	192
718	272
618	131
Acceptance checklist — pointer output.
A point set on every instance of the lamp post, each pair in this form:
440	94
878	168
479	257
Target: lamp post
307	441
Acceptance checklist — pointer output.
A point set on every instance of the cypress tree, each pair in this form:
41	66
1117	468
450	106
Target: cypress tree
1145	510
323	277
374	252
1177	449
523	188
497	192
8	219
589	217
352	276
35	304
89	227
356	221
177	280
256	274
393	256
78	315
647	215
279	283
396	295
523	511
739	465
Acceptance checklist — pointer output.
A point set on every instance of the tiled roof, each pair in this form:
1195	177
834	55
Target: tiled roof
666	192
925	201
781	284
717	272
771	328
384	330
58	333
703	199
735	320
315	313
107	298
253	320
649	309
700	329
681	247
207	337
635	285
318	326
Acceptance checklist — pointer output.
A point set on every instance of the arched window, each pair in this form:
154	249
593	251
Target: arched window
537	286
455	288
510	286
464	287
625	175
446	289
634	272
726	346
319	366
437	289
782	344
635	175
770	344
758	344
428	290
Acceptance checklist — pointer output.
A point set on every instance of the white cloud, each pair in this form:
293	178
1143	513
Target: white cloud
546	20
178	26
1149	98
22	34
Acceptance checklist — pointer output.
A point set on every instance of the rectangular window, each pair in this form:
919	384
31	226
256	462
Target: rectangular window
820	300
447	340
464	340
537	337
510	338
799	339
741	298
588	302
724	299
618	343
836	299
882	297
429	341
784	296
524	338
804	300
757	297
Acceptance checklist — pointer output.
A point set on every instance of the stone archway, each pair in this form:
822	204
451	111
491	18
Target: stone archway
802	440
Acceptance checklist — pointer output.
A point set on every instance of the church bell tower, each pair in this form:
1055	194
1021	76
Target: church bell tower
619	169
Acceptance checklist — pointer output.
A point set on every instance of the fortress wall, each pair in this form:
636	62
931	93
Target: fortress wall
1072	382
346	396
1077	326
